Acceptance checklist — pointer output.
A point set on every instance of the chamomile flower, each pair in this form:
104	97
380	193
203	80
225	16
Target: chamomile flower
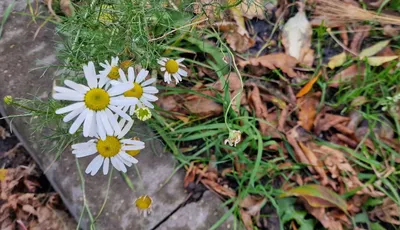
234	138
143	113
94	106
173	68
143	205
110	71
140	89
112	149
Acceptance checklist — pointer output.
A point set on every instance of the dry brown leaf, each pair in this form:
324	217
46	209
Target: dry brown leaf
325	121
250	207
225	191
190	175
327	221
390	31
315	162
307	87
239	43
292	136
202	106
259	107
340	169
272	61
388	212
296	37
307	110
347	75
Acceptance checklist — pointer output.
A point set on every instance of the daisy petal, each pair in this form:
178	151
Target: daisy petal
106	123
70	108
147	103
115	163
121	165
73	114
132	142
78	87
119	112
90	75
128	157
85	153
94	165
161	62
150	89
180	60
113	121
167	77
148	82
122	75
131	74
100	126
131	147
106	165
141	76
150	97
60	89
78	122
87	125
119	89
182	72
68	97
126	129
124	101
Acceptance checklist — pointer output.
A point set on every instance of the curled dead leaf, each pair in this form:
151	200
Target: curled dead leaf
318	196
347	75
388	212
307	110
272	61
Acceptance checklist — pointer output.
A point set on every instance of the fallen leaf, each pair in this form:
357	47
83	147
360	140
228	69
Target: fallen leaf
307	111
225	191
260	108
272	61
390	31
296	35
337	60
388	212
326	220
377	61
307	87
315	162
250	207
238	42
325	121
292	136
372	50
318	196
340	169
347	75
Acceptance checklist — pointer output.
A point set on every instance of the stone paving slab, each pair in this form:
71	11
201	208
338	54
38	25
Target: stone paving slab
20	77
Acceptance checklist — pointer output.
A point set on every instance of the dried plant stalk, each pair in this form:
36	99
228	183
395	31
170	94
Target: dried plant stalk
336	11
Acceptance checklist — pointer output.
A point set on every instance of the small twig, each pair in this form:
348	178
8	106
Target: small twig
174	30
50	7
340	43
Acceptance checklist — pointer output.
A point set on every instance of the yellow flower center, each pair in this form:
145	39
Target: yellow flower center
134	152
143	202
113	74
108	147
97	99
136	91
172	66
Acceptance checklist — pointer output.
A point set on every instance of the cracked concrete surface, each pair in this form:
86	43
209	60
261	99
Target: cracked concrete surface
21	57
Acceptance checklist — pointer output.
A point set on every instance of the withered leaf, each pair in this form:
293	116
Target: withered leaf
318	196
389	212
325	121
226	191
337	60
307	87
296	36
307	110
347	75
315	162
272	61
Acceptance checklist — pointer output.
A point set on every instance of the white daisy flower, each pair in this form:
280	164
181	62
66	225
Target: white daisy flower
172	68
140	91
110	71
94	106
112	149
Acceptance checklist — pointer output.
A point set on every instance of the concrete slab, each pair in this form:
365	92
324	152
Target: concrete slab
20	77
